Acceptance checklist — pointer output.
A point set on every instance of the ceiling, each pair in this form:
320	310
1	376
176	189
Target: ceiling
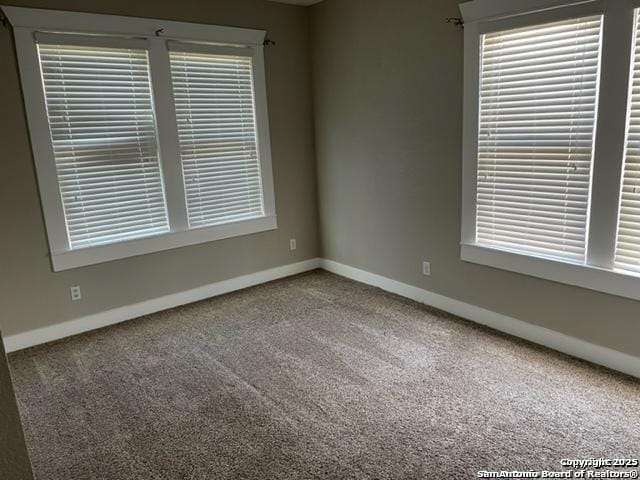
298	2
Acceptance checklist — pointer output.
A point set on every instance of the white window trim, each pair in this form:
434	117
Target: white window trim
599	273
27	21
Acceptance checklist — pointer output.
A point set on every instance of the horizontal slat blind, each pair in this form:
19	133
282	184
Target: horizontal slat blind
538	94
628	243
218	139
103	132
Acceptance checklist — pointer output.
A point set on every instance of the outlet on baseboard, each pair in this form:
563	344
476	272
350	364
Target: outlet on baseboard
426	268
292	244
76	293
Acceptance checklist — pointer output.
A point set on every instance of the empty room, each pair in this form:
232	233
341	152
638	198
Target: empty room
319	239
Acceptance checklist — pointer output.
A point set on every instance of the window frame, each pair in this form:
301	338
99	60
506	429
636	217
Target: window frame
598	272
27	21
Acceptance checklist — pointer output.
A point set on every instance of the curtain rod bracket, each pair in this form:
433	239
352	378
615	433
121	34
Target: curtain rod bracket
267	42
456	21
159	31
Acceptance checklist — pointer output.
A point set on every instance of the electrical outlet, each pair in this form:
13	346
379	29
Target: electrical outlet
76	294
426	268
292	244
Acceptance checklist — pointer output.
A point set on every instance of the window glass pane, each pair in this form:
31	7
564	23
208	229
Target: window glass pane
102	125
218	137
538	98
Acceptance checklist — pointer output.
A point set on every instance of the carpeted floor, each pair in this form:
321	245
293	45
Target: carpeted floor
313	376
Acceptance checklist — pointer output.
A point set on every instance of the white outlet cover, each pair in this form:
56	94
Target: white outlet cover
426	268
293	244
76	293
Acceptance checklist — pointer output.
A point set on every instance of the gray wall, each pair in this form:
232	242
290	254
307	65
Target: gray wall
33	296
387	91
388	102
14	459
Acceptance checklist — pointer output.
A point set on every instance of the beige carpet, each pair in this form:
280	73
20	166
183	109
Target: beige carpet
314	376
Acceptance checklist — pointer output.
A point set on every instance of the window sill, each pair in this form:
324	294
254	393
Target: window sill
105	253
615	282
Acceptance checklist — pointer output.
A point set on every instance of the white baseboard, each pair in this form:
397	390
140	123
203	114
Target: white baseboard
128	312
607	357
558	341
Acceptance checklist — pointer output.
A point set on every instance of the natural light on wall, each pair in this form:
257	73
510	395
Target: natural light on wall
538	96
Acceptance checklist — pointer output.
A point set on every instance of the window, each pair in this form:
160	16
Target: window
537	119
147	134
628	241
104	142
218	141
551	152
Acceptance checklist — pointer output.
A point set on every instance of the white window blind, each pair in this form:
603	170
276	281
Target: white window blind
215	111
628	243
101	119
538	89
